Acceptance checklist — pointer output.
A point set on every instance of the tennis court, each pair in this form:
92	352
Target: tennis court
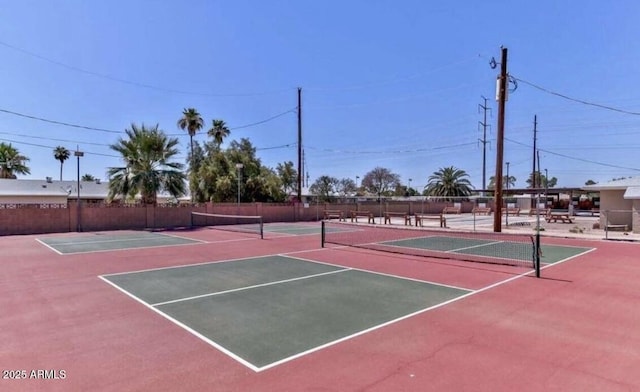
100	242
520	250
265	311
240	313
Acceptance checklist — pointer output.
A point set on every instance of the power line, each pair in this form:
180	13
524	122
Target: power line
390	151
138	84
577	100
575	158
50	147
66	124
55	140
59	122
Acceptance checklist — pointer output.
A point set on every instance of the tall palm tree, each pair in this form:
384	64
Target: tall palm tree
12	162
218	131
449	181
192	122
147	153
61	154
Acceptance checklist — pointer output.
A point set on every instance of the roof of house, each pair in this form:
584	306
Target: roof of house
621	184
88	189
632	193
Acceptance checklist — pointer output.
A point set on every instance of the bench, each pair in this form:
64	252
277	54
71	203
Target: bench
558	216
451	210
334	214
511	210
362	214
481	210
406	216
616	228
422	217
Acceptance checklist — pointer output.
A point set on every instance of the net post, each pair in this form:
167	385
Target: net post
537	254
261	228
322	234
191	216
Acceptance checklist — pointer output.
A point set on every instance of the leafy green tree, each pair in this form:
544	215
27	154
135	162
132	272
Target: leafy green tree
148	169
323	187
12	162
380	181
590	182
88	177
449	181
218	175
61	154
288	176
218	131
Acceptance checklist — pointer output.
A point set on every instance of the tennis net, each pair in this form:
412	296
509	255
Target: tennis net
483	247
236	223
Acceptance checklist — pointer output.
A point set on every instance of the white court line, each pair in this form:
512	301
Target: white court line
328	344
378	273
250	287
474	292
196	242
186	327
473	246
49	246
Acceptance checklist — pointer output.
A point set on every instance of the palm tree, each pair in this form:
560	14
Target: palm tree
511	180
147	153
11	162
61	154
449	181
218	131
192	122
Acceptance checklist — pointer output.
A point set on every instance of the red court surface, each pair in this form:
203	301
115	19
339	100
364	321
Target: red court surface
575	329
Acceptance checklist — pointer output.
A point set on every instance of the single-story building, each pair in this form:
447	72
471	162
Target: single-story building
619	203
53	192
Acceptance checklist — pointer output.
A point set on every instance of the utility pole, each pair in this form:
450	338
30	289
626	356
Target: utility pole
502	98
484	142
534	181
299	144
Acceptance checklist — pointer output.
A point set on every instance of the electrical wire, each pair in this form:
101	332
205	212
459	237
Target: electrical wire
577	100
137	84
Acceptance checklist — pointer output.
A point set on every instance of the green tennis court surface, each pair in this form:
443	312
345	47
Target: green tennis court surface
267	310
549	253
100	242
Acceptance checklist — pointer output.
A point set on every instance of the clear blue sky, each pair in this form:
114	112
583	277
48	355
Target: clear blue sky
385	83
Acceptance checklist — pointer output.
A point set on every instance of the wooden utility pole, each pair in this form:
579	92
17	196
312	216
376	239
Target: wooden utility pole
502	98
299	144
484	142
534	182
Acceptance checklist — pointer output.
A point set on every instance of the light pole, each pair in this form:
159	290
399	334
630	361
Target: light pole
409	189
78	154
546	187
239	167
357	178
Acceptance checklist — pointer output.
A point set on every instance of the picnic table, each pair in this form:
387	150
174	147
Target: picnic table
555	216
